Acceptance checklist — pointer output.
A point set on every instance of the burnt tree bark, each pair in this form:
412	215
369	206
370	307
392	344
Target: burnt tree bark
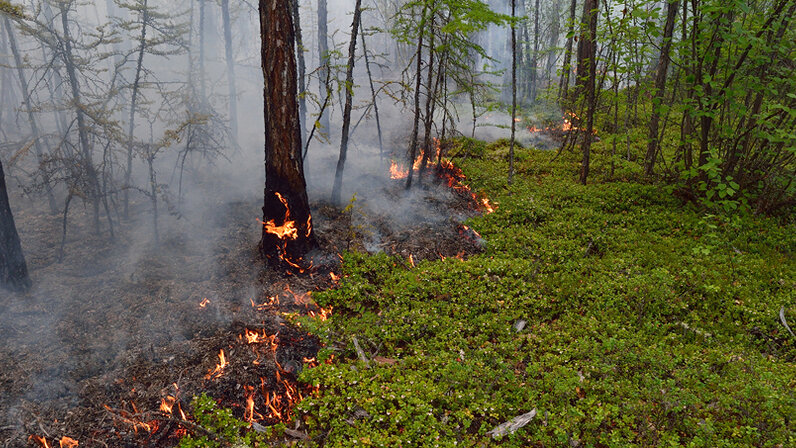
349	91
13	269
287	229
672	8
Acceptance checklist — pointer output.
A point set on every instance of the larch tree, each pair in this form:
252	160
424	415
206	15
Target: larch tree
287	222
349	91
13	269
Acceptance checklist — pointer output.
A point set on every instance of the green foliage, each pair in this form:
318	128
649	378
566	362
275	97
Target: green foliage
10	9
222	429
646	324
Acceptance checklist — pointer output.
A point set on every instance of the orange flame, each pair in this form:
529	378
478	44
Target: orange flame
40	440
166	404
219	370
204	303
68	442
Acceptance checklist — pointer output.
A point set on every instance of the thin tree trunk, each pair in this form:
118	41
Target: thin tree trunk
672	8
535	54
202	89
587	64
513	90
419	70
233	91
82	129
286	205
34	127
133	104
301	68
372	87
430	96
323	58
563	87
349	93
13	269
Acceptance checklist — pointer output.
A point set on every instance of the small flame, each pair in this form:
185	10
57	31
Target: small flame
40	440
219	370
335	278
68	442
166	404
517	119
204	303
411	260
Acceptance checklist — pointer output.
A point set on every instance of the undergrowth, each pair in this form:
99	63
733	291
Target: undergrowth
623	316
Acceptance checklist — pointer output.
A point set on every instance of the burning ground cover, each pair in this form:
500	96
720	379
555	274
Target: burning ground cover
114	342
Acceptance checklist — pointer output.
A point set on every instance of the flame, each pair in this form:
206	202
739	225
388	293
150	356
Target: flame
219	370
166	404
487	205
517	119
204	303
397	172
68	442
40	440
412	260
335	278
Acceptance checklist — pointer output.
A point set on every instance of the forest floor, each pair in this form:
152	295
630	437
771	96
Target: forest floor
119	329
612	314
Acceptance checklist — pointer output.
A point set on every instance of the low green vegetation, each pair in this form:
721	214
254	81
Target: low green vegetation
647	322
624	316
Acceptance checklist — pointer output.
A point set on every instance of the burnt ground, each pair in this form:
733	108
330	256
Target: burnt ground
117	326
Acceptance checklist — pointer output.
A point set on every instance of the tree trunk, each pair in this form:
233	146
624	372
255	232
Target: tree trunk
587	74
233	91
535	55
372	87
13	269
672	8
82	129
323	58
202	90
563	87
349	93
429	110
34	127
133	103
513	90
287	229
419	70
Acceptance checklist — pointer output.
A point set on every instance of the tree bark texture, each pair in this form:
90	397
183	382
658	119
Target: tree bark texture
13	269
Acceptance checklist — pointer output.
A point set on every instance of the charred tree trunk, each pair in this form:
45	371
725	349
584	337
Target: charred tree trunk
233	90
513	90
419	74
672	8
301	68
287	229
34	127
587	74
133	104
349	93
13	269
563	87
323	58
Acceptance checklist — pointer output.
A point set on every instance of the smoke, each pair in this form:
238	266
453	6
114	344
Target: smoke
116	299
